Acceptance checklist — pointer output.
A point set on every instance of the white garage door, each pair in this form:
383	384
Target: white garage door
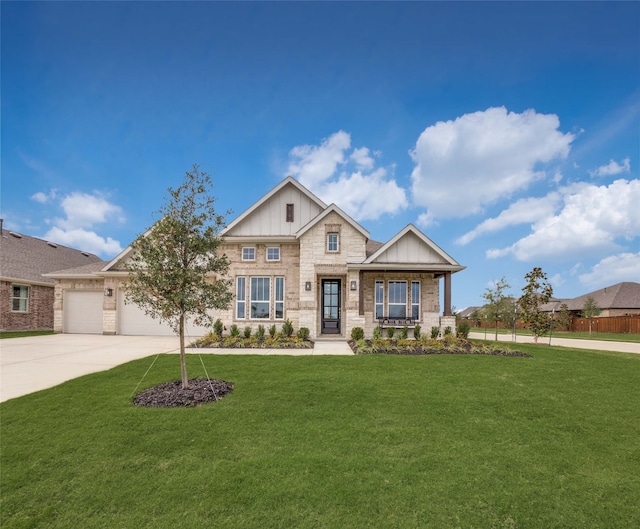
82	311
133	321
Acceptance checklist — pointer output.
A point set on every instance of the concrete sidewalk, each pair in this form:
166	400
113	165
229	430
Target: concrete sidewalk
40	362
600	345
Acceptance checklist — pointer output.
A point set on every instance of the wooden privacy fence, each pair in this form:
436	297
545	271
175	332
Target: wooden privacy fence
615	324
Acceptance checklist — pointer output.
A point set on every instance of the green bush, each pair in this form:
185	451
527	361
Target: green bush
377	333
416	332
272	331
235	332
303	333
247	332
218	327
447	331
260	332
463	329
390	332
357	333
403	334
435	332
287	329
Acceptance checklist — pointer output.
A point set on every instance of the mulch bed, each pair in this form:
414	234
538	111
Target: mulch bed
171	394
466	349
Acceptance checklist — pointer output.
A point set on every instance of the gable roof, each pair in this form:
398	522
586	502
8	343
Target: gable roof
624	295
89	270
411	246
331	209
25	258
289	184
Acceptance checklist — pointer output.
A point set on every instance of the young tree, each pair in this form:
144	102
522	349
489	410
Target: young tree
498	303
176	271
590	309
536	293
564	318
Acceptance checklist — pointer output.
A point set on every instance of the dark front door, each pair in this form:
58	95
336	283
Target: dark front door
331	306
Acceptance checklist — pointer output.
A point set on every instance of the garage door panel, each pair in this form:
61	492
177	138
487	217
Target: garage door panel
82	311
133	321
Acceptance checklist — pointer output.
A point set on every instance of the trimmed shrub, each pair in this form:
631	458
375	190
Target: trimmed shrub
218	327
403	334
435	332
357	333
287	329
390	332
234	331
247	332
463	329
447	331
377	333
272	331
416	332
303	333
260	332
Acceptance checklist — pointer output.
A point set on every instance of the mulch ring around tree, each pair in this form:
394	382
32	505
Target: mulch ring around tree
171	394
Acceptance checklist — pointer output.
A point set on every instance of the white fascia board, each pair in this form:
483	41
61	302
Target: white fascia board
257	239
332	209
406	267
27	282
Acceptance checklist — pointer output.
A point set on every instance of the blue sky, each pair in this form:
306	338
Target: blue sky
508	132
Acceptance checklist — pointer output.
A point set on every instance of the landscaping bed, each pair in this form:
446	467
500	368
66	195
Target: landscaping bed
232	342
172	395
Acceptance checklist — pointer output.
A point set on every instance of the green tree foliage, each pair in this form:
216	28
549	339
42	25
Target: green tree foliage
590	310
176	271
536	293
563	318
499	306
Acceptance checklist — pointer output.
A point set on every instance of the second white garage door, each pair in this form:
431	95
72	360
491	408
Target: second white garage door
133	321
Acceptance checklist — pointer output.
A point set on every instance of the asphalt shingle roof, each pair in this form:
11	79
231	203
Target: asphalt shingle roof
26	258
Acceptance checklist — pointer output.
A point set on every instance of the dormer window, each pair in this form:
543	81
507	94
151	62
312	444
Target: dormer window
289	212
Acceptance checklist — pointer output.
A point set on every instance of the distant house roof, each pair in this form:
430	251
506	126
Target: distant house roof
26	258
624	295
88	270
466	313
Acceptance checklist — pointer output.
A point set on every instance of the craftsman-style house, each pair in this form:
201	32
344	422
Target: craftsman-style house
295	258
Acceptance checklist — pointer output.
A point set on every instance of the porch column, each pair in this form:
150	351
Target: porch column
447	294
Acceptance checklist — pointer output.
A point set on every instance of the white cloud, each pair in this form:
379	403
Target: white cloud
591	220
526	210
85	240
613	269
43	198
479	158
364	191
612	168
82	212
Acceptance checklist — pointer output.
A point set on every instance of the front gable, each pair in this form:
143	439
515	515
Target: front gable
280	213
409	247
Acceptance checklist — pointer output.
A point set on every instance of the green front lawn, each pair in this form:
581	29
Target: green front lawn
22	334
371	441
605	336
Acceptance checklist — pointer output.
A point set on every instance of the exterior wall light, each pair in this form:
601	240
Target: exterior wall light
307	286
354	285
108	292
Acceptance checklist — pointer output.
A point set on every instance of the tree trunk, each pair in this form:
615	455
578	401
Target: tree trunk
183	359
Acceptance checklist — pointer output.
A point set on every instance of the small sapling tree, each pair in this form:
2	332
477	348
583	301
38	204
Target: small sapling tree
499	305
536	293
176	270
590	310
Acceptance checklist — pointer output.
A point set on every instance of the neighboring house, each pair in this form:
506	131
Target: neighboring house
26	296
295	258
621	299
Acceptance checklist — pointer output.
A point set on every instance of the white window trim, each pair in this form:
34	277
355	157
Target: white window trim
413	303
28	290
273	248
275	298
406	297
242	291
249	248
337	236
377	303
251	300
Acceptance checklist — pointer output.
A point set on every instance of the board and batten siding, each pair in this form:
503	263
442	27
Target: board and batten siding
410	249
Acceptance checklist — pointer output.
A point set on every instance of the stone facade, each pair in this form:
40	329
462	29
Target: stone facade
38	317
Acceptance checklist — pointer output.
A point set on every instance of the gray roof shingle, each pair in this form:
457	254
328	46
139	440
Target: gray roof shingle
26	258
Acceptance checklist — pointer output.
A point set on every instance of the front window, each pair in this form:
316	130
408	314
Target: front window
397	299
379	299
415	300
20	298
279	298
249	254
241	297
273	254
260	297
332	242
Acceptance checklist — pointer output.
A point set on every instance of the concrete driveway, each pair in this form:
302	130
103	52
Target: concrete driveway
40	362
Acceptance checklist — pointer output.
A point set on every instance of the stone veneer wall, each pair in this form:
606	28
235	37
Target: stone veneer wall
39	316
